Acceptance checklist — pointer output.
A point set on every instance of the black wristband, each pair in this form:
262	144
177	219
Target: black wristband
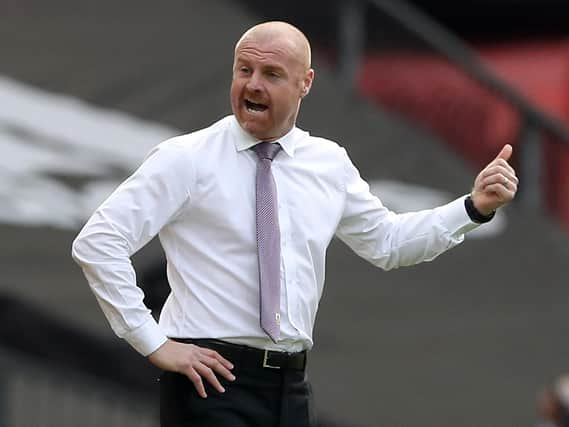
474	213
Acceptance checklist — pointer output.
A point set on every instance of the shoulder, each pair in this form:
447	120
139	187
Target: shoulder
322	147
190	144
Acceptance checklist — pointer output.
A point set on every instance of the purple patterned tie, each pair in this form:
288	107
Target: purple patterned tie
268	240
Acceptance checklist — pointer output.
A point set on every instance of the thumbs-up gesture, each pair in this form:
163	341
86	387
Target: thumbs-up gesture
496	185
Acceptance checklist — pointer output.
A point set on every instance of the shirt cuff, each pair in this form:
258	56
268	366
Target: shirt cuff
455	218
147	338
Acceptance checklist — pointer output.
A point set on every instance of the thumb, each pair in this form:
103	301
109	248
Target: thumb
505	153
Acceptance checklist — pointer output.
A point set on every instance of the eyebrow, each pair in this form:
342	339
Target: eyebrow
276	67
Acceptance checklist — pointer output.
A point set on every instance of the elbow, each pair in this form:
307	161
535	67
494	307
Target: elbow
93	246
79	249
386	263
84	248
90	244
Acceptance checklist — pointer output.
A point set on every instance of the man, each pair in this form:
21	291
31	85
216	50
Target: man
245	210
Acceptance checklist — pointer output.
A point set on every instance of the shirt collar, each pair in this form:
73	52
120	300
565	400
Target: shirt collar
244	141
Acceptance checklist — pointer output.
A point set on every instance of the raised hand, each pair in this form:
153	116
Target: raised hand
194	362
496	185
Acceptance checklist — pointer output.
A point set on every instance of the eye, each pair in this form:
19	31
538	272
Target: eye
244	69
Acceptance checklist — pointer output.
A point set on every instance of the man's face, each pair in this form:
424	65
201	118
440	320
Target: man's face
269	80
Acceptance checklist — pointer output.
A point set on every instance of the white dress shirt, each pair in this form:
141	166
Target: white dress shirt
198	192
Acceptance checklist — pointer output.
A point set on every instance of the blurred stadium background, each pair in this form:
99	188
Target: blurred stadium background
421	93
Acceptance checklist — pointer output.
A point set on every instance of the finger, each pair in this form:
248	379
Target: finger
511	187
502	162
209	375
195	378
499	178
499	170
505	153
214	354
502	193
218	367
206	352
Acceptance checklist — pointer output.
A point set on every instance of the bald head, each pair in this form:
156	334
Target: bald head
283	33
271	76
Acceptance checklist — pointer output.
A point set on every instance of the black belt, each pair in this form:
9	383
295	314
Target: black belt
245	356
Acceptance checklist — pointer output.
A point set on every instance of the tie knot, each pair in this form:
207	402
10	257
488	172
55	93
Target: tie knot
267	150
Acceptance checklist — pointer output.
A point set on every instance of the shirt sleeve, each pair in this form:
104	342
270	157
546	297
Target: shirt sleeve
125	222
389	240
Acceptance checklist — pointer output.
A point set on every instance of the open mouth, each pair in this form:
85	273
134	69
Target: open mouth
253	107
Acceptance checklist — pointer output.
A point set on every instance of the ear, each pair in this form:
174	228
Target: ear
307	83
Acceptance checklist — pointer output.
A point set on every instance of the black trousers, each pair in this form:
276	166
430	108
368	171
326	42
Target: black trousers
259	397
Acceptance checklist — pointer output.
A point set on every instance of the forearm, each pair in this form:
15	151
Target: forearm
389	240
104	256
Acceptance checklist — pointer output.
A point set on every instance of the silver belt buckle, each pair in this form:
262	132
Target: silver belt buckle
265	364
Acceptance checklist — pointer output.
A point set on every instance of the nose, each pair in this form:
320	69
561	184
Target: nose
254	84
